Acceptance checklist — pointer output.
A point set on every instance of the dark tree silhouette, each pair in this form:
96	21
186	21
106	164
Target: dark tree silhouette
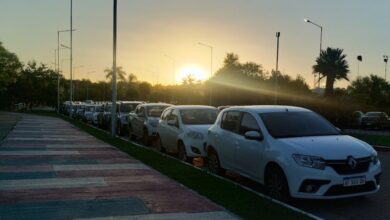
121	74
331	64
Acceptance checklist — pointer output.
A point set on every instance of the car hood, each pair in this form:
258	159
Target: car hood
337	147
203	129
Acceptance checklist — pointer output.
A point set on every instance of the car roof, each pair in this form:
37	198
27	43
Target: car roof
180	107
268	108
130	102
155	104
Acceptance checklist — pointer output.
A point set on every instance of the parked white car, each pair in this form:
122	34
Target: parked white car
183	130
95	115
144	120
88	113
293	152
123	110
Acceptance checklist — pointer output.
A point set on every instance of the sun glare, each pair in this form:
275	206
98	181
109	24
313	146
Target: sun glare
191	70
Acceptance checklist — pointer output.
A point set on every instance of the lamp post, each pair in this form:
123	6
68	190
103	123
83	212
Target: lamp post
277	66
211	69
319	26
360	59
58	67
385	59
113	108
87	81
173	67
71	54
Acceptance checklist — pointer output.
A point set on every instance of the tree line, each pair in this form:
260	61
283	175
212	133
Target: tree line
235	83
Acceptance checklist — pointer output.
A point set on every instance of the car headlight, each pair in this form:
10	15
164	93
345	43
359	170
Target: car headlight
374	159
195	135
309	161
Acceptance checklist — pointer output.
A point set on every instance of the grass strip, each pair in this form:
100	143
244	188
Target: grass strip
374	139
7	122
239	201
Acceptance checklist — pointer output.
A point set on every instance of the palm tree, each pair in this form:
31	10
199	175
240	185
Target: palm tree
331	64
120	73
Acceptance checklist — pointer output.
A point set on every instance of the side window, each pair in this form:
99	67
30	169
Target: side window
248	123
165	114
140	111
173	116
231	121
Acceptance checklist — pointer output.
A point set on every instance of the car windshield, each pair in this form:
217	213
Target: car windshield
90	108
98	108
198	116
378	114
297	124
127	107
156	111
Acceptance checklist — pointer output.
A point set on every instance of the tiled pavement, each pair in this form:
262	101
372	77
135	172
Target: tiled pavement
51	170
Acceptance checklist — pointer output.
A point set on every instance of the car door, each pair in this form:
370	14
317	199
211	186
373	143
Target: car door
163	127
173	131
139	119
226	140
249	153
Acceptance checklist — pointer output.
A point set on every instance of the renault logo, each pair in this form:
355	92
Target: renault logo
351	162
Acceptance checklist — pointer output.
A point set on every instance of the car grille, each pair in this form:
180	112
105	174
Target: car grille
337	190
342	167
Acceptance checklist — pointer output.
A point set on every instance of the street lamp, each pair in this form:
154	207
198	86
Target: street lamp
211	67
71	53
87	81
360	59
113	108
58	66
173	66
319	26
385	59
277	66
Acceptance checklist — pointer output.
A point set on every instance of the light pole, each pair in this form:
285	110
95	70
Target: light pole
211	69
319	26
71	54
360	59
113	108
58	67
277	67
87	81
385	59
173	66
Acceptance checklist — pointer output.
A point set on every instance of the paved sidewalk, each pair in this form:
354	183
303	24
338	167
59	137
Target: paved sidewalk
51	170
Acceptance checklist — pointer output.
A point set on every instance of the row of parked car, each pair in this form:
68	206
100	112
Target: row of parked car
375	120
293	151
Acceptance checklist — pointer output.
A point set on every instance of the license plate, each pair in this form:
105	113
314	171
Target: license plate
355	181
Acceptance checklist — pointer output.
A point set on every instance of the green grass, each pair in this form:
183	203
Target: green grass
7	122
374	139
243	203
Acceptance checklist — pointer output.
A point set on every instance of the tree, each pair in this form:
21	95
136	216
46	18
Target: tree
331	64
10	67
120	73
189	79
132	78
370	90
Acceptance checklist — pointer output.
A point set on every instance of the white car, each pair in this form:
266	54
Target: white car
293	152
123	110
95	115
88	113
183	130
144	120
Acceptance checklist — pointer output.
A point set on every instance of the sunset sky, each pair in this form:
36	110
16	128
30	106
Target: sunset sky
148	29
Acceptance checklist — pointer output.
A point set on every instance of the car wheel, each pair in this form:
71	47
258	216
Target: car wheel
131	134
146	138
213	163
182	154
276	183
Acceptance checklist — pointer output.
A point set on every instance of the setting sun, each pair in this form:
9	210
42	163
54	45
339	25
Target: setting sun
195	71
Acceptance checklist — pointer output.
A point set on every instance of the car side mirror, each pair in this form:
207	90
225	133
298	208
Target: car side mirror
253	135
173	123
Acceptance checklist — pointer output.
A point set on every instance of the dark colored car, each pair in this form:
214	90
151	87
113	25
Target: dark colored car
378	120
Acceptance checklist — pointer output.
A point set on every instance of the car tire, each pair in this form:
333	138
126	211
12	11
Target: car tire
145	137
276	184
132	137
214	164
157	144
182	153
